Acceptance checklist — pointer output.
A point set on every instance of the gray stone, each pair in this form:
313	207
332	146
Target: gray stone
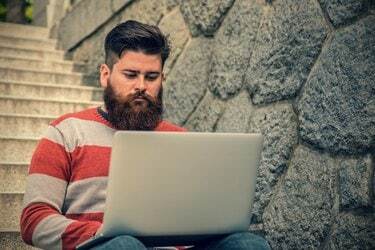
340	12
355	183
90	13
187	83
278	124
353	232
170	4
205	118
232	50
118	4
237	114
337	106
204	16
299	216
290	39
173	26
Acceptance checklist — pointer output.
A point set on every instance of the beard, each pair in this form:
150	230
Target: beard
138	111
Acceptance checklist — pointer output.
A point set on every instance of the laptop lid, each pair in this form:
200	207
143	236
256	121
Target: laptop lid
173	183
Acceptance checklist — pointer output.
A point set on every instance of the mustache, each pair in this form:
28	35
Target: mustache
140	94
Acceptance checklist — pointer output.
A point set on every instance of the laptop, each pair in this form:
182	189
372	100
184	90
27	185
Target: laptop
173	188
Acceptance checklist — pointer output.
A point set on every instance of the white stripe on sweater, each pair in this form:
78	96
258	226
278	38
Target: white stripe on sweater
45	188
47	233
80	196
78	132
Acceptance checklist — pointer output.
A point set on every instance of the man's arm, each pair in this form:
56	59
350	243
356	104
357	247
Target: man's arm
42	222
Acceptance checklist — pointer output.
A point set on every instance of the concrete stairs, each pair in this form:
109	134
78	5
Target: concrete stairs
36	86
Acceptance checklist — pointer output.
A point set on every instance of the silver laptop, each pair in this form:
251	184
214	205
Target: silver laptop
172	188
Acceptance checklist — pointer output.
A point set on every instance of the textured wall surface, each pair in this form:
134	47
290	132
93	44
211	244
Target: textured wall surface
301	72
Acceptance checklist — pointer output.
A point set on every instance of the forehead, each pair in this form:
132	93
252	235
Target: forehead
135	60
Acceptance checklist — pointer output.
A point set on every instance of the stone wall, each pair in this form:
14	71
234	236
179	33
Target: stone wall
301	72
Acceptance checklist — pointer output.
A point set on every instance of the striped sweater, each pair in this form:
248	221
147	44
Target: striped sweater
66	185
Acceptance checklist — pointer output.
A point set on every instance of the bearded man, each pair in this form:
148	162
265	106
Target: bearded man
66	186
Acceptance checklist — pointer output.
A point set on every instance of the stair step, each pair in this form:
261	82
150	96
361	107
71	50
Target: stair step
17	105
17	149
23	31
24	125
16	42
31	53
17	74
11	240
37	64
11	208
52	91
13	177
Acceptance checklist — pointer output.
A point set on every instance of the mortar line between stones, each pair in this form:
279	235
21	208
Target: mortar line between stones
299	93
196	107
251	53
335	211
173	63
222	111
326	17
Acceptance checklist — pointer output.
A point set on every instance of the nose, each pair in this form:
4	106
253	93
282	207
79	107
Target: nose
141	85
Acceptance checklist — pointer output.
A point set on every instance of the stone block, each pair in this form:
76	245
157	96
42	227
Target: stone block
353	232
13	177
233	46
173	26
289	41
278	124
82	20
15	42
205	117
337	105
23	125
340	12
187	83
118	4
17	149
39	106
39	54
51	91
299	216
40	76
36	64
204	16
236	115
355	177
11	208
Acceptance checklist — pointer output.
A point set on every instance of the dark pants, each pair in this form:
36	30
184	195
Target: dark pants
237	241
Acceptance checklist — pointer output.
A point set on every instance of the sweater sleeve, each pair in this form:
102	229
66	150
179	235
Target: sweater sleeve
42	223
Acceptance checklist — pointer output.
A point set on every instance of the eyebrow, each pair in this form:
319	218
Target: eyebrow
137	71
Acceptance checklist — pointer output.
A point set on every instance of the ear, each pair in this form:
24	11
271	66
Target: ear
105	73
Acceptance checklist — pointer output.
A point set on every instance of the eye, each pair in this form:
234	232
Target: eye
152	77
130	75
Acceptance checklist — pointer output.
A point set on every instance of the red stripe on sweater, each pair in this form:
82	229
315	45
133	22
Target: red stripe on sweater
90	161
77	232
51	159
87	217
31	216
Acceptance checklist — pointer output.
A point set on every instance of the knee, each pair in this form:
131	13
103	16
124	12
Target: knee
127	242
247	240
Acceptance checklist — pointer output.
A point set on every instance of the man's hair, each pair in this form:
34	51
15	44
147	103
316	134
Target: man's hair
135	36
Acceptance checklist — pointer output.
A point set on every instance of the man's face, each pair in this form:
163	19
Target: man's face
133	91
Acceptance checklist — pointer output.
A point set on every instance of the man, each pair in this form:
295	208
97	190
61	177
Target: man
65	194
